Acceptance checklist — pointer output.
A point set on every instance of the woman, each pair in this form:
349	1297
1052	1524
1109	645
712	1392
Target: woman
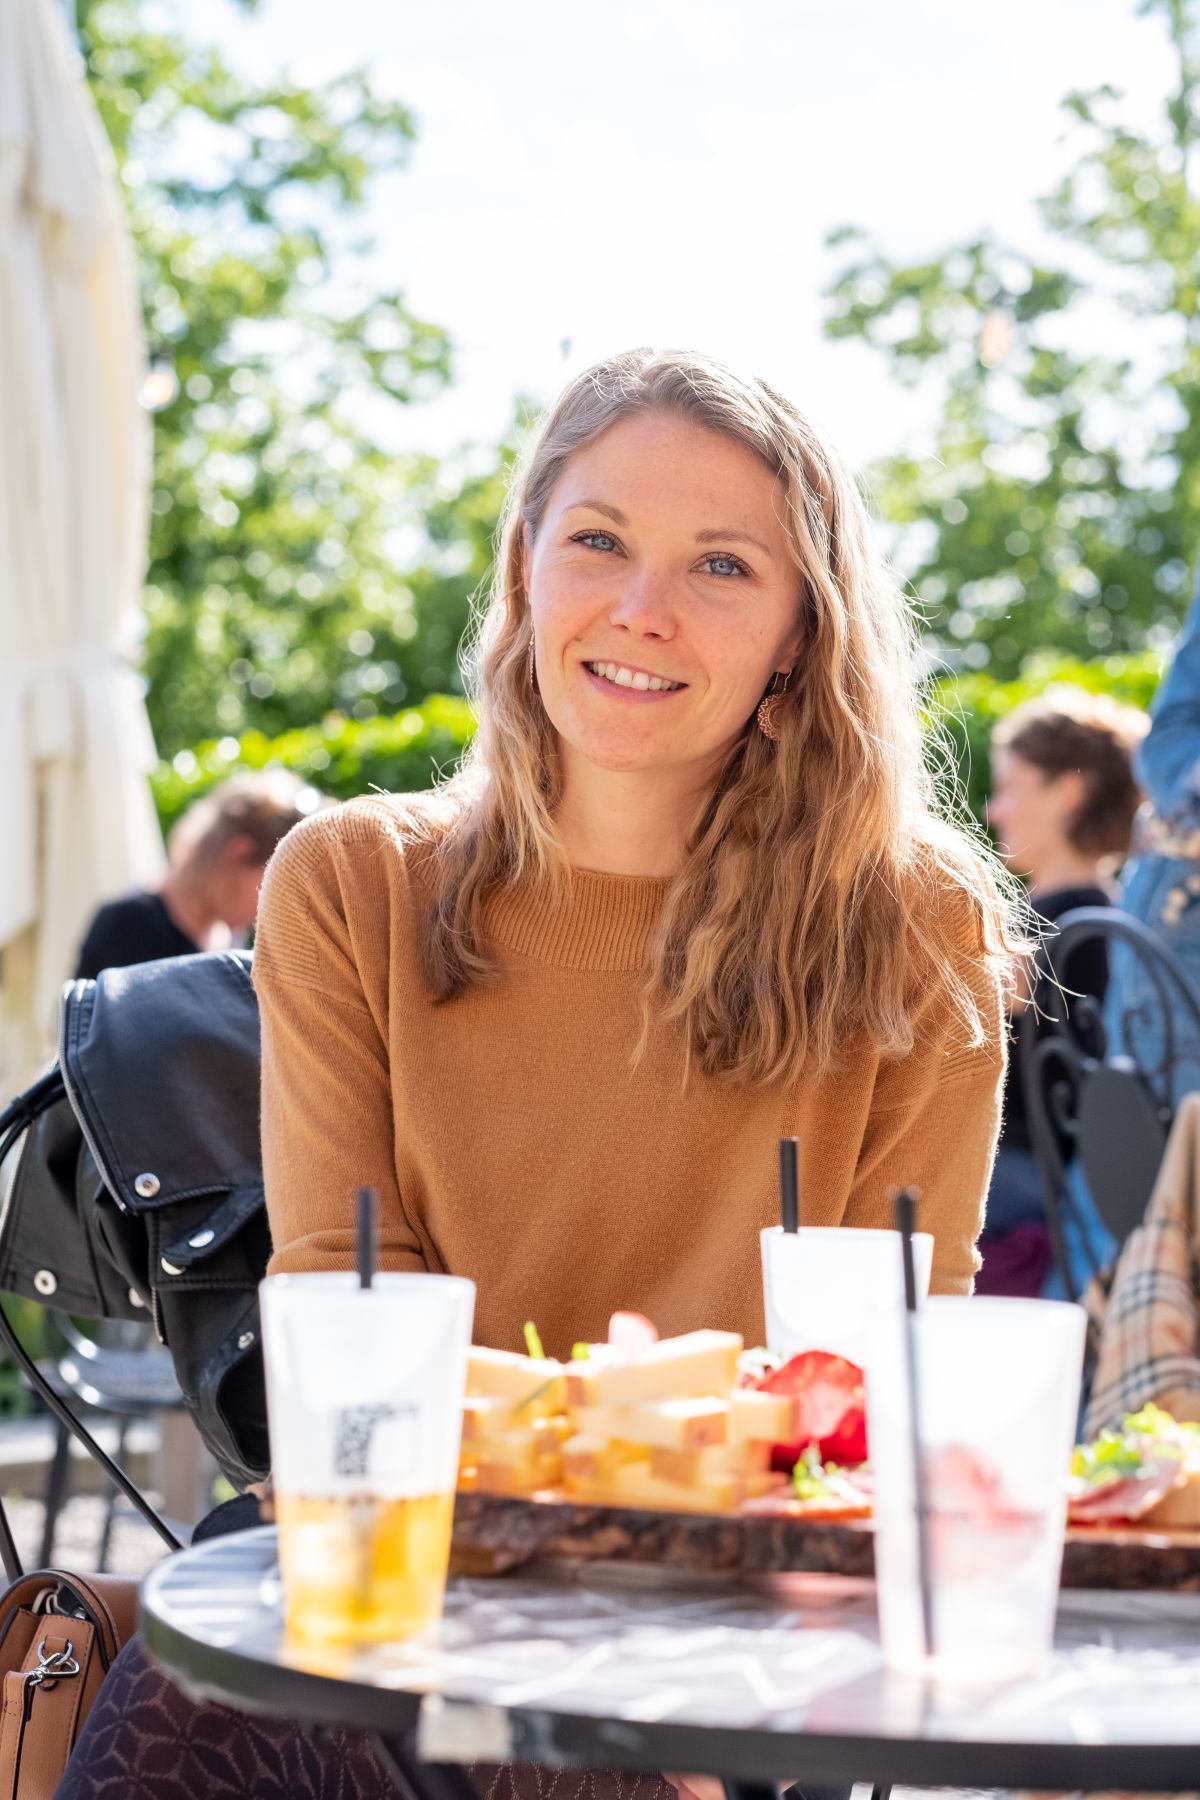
1063	803
687	895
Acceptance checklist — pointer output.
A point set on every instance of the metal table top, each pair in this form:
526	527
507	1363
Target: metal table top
761	1680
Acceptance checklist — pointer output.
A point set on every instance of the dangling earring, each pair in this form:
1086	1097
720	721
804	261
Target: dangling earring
768	706
532	666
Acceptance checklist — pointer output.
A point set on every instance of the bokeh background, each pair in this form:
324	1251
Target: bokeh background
373	240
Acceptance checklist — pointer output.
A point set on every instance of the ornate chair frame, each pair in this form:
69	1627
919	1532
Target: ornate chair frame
1111	1105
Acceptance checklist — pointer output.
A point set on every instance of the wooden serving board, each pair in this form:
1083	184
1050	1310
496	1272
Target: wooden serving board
494	1536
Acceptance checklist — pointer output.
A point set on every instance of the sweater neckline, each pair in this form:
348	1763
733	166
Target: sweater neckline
600	921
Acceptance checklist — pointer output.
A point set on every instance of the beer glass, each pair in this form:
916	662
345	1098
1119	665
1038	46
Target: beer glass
364	1401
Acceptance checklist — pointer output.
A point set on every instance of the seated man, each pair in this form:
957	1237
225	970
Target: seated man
217	853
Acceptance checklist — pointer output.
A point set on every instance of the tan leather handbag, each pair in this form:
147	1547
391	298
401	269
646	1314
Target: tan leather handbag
59	1636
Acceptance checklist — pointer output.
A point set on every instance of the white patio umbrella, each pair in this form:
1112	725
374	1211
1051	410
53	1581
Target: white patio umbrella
76	819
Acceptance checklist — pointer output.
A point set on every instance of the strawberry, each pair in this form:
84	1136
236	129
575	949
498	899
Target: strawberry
631	1331
830	1407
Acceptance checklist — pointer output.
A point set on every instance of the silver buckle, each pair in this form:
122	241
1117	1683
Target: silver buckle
54	1667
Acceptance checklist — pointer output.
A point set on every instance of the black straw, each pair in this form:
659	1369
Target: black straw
905	1202
367	1235
789	1189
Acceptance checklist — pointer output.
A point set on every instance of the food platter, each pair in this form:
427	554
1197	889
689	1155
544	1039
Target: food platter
496	1535
690	1454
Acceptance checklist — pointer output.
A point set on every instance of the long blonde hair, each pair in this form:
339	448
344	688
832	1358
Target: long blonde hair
821	896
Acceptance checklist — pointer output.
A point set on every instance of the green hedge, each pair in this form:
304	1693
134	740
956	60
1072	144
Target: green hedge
414	748
341	756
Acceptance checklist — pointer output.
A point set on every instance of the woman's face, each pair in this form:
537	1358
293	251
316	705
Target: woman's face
664	596
1031	811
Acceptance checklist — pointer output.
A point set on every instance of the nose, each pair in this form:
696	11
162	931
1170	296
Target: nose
642	603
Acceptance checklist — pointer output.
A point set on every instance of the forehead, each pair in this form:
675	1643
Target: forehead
1009	765
660	464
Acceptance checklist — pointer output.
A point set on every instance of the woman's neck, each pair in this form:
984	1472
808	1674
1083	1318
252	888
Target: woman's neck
1068	869
626	824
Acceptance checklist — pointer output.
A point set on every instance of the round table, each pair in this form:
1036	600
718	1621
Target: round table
774	1679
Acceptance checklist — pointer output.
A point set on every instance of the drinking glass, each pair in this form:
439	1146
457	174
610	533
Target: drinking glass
364	1401
824	1287
998	1397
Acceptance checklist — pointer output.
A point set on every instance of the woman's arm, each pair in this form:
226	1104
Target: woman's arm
1168	760
933	1126
327	1126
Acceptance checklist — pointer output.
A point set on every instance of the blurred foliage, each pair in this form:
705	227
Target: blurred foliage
280	523
963	710
420	746
1059	503
342	757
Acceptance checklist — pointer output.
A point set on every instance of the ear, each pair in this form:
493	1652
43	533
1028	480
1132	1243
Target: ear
796	643
237	851
1071	790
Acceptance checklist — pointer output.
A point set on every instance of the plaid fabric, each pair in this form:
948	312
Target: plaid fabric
1148	1322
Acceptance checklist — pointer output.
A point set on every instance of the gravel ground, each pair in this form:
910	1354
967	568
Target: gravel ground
134	1545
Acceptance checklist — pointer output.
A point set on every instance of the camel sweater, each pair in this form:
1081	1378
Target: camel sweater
511	1140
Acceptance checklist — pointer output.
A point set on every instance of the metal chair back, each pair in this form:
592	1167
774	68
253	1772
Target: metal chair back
1100	1077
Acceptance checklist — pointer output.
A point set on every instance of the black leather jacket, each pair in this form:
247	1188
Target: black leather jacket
138	1191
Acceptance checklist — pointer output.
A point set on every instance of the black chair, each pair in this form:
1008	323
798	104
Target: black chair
1101	1078
121	1373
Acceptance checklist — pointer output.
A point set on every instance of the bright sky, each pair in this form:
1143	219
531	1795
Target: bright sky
665	171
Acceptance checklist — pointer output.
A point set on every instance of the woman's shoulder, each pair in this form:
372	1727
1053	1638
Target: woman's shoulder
954	891
358	840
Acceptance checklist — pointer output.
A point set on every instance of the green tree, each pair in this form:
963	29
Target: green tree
1059	503
274	593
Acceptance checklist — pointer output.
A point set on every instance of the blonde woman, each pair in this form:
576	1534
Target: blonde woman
689	893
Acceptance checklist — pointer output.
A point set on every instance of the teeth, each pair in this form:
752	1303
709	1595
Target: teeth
623	677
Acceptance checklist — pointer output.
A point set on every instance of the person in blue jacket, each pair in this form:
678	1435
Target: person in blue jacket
1162	881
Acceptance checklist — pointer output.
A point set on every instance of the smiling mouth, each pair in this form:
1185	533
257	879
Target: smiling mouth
620	676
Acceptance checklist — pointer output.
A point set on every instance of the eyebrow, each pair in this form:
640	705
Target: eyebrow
720	536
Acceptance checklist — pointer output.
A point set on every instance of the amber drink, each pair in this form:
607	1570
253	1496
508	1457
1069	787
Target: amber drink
364	1396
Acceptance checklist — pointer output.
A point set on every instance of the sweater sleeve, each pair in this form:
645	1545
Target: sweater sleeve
327	1125
933	1125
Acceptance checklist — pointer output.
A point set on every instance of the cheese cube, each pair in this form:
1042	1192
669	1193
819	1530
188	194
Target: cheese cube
484	1416
769	1418
770	1482
533	1382
634	1484
580	1383
681	1368
670	1424
699	1468
588	1461
522	1447
511	1481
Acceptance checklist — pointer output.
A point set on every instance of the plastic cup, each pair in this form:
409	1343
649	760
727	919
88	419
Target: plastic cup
998	1397
824	1288
364	1403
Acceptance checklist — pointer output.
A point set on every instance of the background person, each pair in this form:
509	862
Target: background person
1063	802
1162	883
217	853
687	895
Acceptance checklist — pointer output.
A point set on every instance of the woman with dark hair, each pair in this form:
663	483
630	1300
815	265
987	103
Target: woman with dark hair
688	894
1063	803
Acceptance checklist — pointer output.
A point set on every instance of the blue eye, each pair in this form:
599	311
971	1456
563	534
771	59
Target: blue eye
596	540
721	564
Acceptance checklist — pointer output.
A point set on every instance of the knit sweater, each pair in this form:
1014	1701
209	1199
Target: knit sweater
513	1139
